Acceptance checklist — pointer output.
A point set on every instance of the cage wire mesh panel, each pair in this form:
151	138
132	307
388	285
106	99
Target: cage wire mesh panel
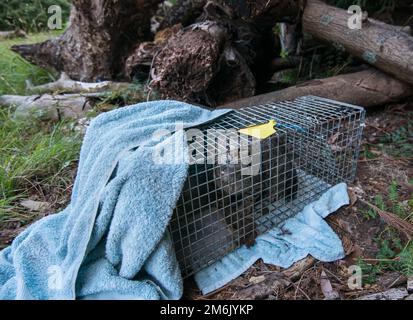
227	202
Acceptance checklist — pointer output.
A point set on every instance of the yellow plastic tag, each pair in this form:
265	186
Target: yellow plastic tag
260	131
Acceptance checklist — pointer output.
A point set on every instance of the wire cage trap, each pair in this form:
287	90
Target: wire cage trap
240	186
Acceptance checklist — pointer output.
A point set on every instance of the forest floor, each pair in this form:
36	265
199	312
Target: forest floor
38	163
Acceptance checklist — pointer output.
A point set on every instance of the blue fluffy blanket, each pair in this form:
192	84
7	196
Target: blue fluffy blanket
110	242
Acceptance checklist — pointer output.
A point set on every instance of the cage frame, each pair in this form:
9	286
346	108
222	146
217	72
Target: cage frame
298	121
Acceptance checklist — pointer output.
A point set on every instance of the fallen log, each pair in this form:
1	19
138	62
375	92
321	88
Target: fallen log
222	56
97	41
18	33
102	35
392	294
66	85
382	46
51	107
199	64
366	88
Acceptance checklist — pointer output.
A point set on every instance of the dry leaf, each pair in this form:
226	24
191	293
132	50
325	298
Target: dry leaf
327	289
35	205
256	280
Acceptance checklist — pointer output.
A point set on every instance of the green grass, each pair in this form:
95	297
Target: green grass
33	156
29	15
14	70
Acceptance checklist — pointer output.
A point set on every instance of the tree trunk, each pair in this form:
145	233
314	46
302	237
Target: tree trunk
222	56
100	35
381	45
199	65
365	88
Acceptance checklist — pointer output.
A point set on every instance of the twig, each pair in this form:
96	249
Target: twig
381	260
333	275
299	282
301	290
381	159
393	220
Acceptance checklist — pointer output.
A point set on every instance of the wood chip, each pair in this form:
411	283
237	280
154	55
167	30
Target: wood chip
256	280
272	283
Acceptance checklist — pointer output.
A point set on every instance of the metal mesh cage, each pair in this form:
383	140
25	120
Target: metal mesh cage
239	187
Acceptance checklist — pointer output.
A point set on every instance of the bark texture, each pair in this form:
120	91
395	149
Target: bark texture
378	44
223	55
100	35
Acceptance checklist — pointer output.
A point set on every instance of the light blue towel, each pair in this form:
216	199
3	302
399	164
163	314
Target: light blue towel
110	242
306	233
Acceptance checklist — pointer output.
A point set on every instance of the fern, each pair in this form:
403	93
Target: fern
406	260
378	200
393	192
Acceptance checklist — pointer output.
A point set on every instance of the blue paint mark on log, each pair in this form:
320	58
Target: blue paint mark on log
326	19
370	57
381	39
